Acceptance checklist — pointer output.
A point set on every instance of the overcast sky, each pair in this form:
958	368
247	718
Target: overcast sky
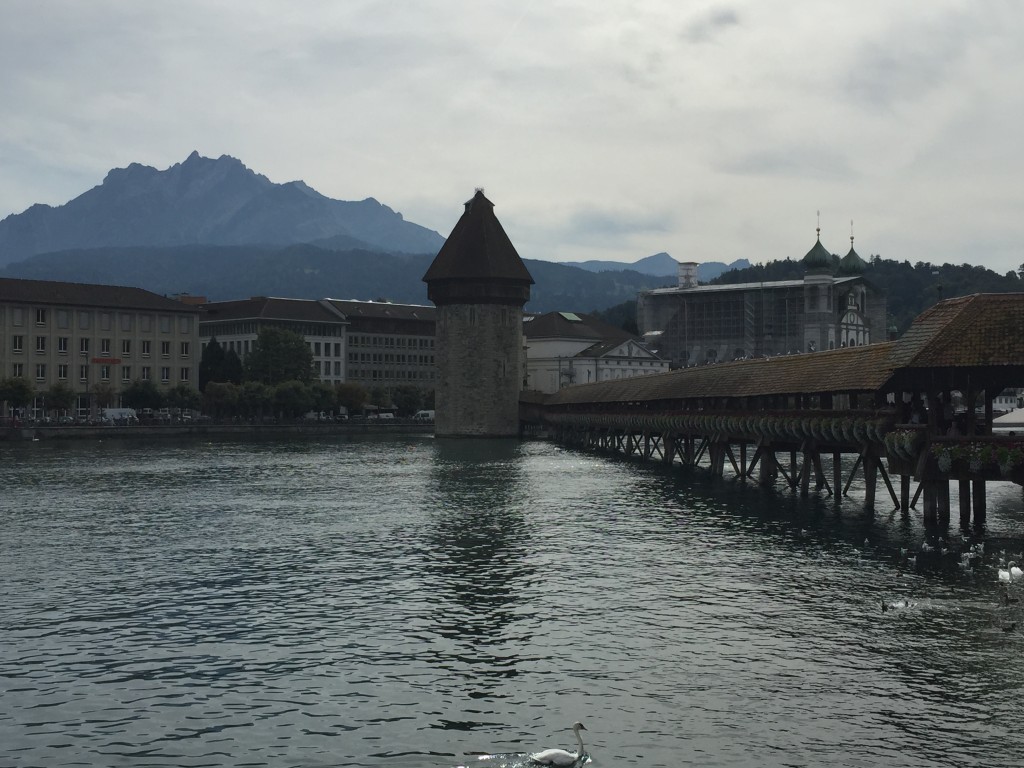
610	130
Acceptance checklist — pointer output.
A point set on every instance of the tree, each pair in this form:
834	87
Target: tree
211	364
254	398
407	399
324	397
142	394
184	397
17	393
279	356
104	394
221	398
351	397
61	397
293	398
232	370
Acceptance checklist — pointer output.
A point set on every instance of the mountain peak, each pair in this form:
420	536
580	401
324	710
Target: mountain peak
204	201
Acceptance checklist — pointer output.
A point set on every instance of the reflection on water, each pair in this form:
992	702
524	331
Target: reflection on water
418	602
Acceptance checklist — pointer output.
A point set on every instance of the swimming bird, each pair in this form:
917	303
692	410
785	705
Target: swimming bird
561	756
1010	573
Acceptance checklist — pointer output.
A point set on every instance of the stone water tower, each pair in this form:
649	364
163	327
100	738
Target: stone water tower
479	285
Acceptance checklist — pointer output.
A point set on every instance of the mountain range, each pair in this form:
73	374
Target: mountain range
215	228
661	265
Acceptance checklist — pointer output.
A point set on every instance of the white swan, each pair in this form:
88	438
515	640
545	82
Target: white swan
561	756
1011	573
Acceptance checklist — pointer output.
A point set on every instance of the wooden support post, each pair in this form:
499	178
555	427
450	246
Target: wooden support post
905	493
965	502
870	477
942	501
888	484
766	476
805	473
853	474
980	511
792	470
917	495
930	508
732	458
743	460
837	473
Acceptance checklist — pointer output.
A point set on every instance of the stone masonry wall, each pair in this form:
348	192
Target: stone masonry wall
479	355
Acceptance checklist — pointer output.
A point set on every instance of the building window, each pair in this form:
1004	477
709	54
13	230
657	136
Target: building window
62	345
165	374
105	372
165	349
18	370
17	344
327	367
145	348
83	320
17	316
83	346
126	347
62	372
145	373
184	373
40	317
165	324
126	373
40	345
337	368
337	350
40	371
185	324
104	321
316	349
83	373
63	318
146	323
105	347
126	321
184	349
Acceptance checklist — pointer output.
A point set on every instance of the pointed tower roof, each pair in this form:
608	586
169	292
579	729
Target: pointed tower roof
478	263
852	263
818	259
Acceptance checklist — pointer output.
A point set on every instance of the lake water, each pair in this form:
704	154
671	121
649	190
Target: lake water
415	602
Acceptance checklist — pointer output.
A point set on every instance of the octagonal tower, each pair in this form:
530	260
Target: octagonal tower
479	285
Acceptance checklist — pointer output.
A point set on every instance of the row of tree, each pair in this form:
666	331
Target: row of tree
277	378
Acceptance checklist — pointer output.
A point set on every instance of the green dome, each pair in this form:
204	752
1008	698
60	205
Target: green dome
852	264
817	259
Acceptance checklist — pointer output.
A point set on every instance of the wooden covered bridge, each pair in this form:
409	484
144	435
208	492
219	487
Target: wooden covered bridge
919	409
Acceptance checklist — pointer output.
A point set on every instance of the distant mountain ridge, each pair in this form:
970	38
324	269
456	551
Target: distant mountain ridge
660	265
203	201
305	271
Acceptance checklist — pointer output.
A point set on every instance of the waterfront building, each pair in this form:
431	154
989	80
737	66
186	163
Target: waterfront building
237	324
479	285
373	343
566	348
389	344
834	305
94	337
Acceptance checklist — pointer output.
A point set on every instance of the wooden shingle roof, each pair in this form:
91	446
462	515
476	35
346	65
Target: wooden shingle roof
854	369
478	249
982	334
984	329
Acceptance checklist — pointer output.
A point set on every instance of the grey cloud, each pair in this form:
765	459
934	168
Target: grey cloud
598	225
795	162
709	25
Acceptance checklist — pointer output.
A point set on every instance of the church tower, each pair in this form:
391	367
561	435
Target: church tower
479	285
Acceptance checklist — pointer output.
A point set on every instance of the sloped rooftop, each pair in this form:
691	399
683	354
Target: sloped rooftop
55	293
478	249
